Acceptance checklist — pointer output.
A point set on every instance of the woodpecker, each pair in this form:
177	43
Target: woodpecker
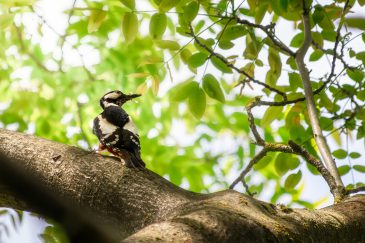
116	131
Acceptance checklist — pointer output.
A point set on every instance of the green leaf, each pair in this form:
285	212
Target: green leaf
220	65
54	234
225	45
6	20
359	168
197	102
339	154
316	55
285	162
291	62
190	11
275	67
181	91
355	75
17	3
158	25
270	115
249	69
185	54
297	40
168	44
317	38
326	102
355	155
212	88
326	23
358	23
95	20
232	32
344	169
259	63
197	59
284	5
252	48
130	27
260	12
312	169
361	95
129	4
292	180
166	5
263	163
274	60
326	123
318	14
295	81
329	35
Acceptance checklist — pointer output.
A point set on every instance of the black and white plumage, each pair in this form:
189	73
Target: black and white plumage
116	131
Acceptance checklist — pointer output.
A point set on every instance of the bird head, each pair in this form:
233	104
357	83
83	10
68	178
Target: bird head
116	97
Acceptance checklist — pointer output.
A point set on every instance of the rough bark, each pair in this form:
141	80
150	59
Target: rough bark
144	207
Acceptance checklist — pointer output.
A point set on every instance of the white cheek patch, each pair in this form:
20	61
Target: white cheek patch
130	126
105	126
107	104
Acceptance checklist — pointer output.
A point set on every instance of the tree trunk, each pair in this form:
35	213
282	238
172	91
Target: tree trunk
144	207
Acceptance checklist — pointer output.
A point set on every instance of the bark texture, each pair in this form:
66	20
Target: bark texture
144	207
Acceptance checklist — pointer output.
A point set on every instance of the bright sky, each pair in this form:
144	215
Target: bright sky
52	11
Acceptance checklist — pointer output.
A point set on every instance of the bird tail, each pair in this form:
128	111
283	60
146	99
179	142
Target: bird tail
131	159
136	160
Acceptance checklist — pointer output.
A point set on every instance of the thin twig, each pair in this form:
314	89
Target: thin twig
30	54
251	121
338	56
269	30
228	64
291	148
63	37
337	40
255	159
81	121
356	190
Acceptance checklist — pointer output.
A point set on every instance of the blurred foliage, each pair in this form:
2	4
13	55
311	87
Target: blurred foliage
191	117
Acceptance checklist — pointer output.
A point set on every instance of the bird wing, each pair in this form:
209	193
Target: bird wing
116	116
96	131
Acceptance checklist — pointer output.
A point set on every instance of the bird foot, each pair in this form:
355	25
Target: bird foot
100	148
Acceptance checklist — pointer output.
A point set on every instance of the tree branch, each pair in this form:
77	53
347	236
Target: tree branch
356	190
321	142
248	168
126	198
228	64
291	148
337	40
269	30
30	54
148	208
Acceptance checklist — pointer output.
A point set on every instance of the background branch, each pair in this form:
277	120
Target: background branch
312	110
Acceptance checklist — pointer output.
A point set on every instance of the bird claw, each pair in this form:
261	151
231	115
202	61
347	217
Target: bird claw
100	148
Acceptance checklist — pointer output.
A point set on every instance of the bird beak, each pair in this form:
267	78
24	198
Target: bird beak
132	96
126	98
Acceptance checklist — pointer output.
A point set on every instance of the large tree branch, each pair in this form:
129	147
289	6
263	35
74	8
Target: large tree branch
129	199
147	208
